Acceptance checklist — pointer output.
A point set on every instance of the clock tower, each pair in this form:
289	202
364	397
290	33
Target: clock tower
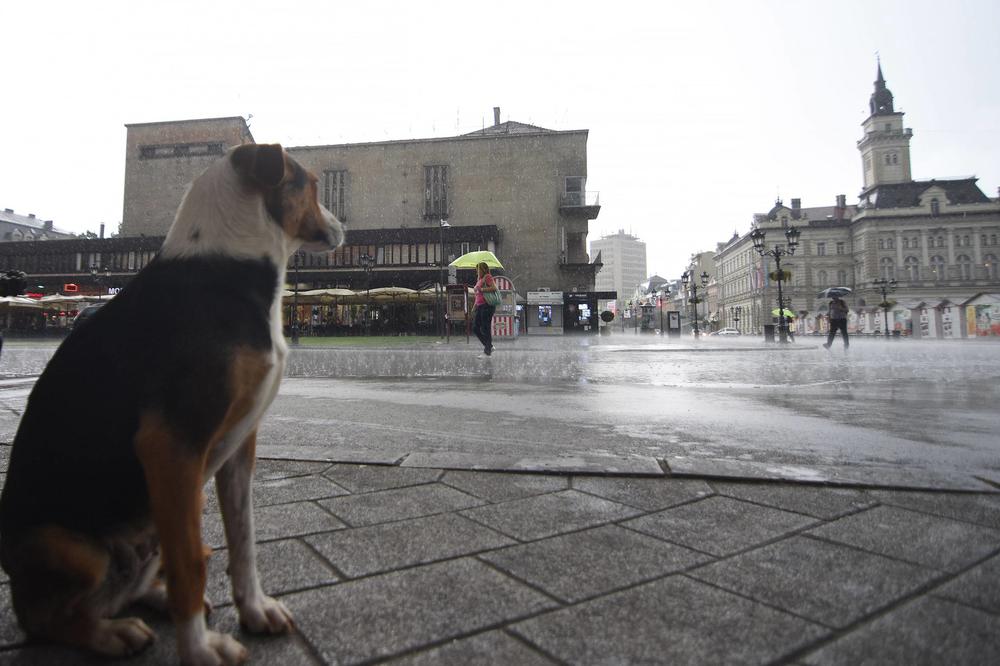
885	148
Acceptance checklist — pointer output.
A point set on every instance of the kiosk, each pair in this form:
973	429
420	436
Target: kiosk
505	316
457	308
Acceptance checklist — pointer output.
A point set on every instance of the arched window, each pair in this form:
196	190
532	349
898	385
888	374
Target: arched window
887	268
990	262
937	267
935	206
964	266
821	279
911	268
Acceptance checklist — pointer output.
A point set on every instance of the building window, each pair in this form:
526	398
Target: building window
575	192
436	191
937	267
911	268
841	278
964	266
889	243
881	243
840	248
888	160
895	158
935	207
821	279
990	262
821	249
887	268
335	193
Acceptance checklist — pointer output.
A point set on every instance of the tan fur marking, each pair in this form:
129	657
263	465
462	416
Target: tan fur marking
248	369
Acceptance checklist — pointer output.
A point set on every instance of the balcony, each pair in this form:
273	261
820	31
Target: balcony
580	205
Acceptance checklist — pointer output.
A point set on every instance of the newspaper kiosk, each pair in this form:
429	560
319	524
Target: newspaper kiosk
505	316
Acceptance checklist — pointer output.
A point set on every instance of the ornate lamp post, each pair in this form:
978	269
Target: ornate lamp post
886	287
368	264
734	312
661	295
687	279
295	301
99	279
442	223
792	235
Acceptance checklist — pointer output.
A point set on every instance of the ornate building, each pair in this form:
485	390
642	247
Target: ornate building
938	239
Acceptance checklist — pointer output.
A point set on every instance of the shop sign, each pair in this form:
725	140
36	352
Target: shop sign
545	298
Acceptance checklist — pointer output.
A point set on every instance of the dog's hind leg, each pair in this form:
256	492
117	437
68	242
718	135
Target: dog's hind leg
60	589
258	612
174	471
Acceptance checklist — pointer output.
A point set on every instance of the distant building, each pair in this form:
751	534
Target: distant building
15	227
623	258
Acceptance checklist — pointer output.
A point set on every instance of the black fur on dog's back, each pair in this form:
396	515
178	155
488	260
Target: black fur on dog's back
174	327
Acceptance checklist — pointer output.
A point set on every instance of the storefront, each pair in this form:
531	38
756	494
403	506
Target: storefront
544	313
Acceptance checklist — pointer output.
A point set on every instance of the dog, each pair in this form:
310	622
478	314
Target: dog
161	390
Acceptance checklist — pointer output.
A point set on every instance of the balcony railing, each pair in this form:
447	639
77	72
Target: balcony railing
570	199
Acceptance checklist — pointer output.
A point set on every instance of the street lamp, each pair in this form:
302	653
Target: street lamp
734	312
687	279
792	235
442	223
662	294
886	287
295	301
368	264
98	278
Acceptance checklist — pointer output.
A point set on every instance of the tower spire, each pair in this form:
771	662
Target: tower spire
881	100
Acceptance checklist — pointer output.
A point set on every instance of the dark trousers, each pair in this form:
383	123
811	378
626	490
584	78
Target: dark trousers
838	325
482	324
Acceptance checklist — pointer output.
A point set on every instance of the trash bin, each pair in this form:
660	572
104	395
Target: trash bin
769	332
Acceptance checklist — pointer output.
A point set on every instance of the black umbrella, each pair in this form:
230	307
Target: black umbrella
832	292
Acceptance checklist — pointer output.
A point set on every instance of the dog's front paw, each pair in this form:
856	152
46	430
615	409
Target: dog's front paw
214	650
121	637
267	616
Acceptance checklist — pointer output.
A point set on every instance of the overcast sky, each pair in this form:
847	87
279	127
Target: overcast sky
700	114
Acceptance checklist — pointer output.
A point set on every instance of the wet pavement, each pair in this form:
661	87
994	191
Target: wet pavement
617	500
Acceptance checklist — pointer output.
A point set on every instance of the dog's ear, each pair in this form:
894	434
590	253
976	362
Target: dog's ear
260	164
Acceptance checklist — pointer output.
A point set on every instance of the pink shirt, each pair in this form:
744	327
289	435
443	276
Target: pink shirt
480	300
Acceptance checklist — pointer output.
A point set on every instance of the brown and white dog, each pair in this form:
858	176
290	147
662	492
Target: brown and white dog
162	389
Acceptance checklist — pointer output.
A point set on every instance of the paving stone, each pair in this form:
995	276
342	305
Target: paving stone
492	647
563	464
368	478
387	615
584	564
303	451
971	507
280	521
979	587
287	649
10	631
366	550
719	525
269	470
502	486
828	583
548	515
399	504
283	566
294	489
647	494
914	537
819	501
926	631
670	621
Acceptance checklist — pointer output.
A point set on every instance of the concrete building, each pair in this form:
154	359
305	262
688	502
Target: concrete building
938	239
623	258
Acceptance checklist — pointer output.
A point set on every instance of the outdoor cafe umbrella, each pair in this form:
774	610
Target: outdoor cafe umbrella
786	311
831	292
473	259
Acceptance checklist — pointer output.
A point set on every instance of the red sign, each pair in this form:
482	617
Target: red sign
70	288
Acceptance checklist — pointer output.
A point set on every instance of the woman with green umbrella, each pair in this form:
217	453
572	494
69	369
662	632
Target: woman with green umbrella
482	318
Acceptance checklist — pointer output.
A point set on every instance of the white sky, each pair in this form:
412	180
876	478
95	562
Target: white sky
700	113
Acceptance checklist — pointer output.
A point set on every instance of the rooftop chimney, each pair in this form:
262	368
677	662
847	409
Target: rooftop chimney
102	230
31	216
48	225
796	204
8	210
841	208
496	116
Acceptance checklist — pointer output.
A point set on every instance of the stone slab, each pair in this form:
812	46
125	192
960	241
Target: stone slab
399	504
848	475
586	564
492	647
367	550
828	583
569	464
719	525
979	587
380	616
817	501
279	521
270	469
294	489
670	621
548	515
971	507
914	537
926	631
645	494
284	566
504	486
330	454
367	478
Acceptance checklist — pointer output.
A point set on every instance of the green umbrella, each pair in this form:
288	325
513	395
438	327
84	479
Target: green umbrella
788	313
472	259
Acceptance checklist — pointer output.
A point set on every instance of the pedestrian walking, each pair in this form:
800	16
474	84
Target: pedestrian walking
482	318
790	328
838	321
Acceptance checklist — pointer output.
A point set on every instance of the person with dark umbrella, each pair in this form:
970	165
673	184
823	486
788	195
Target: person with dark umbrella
838	321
